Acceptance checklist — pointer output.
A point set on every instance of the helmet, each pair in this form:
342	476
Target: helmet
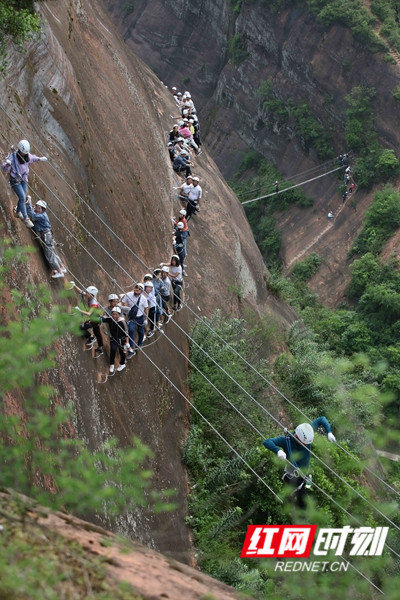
305	433
113	297
175	256
195	179
176	125
182	212
24	146
148	284
92	290
173	88
181	225
156	271
42	203
140	286
180	123
116	309
165	269
183	152
148	276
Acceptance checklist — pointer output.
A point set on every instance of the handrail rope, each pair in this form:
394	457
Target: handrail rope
168	338
236	452
194	407
247	393
239	355
271	385
281	425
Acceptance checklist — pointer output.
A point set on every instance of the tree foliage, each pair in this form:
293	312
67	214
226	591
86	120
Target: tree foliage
18	20
38	456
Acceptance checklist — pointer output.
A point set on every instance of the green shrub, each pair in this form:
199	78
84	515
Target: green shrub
305	269
381	221
18	20
237	50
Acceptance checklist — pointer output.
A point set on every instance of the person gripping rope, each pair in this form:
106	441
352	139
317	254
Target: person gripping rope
295	448
194	197
137	308
89	298
17	165
42	227
118	337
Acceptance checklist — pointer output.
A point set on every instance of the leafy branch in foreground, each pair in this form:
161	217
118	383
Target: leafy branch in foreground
37	454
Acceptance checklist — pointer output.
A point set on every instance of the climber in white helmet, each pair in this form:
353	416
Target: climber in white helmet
17	165
294	448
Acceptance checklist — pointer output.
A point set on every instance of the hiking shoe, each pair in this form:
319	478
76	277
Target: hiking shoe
57	275
91	341
167	318
121	367
28	223
150	334
130	354
184	273
98	352
175	307
179	307
112	369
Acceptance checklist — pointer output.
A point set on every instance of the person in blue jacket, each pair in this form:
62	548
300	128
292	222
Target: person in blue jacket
295	449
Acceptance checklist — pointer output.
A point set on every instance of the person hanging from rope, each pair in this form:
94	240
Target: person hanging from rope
17	165
295	449
89	299
42	227
118	337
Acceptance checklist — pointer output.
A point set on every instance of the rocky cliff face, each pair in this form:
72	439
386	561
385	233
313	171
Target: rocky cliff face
304	61
100	115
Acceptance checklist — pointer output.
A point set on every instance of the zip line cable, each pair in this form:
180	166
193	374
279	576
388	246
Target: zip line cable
331	162
113	279
147	268
291	187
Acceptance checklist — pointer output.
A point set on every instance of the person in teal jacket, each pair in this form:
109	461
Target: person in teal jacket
295	449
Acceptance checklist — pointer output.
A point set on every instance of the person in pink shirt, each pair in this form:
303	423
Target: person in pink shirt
186	134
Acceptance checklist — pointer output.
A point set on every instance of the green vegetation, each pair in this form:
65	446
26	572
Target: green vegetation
375	163
237	50
300	117
260	181
305	269
17	20
236	6
381	221
226	496
396	93
38	564
39	458
354	15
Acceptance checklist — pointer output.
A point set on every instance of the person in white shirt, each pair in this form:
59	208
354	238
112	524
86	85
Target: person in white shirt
137	308
194	197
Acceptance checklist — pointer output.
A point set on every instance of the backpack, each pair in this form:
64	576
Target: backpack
134	310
